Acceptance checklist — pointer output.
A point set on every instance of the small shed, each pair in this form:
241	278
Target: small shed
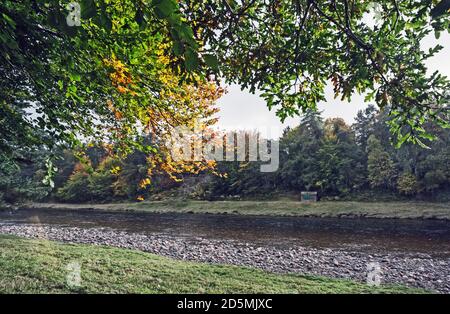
308	196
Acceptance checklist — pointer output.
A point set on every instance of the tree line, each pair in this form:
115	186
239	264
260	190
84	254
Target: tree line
157	64
337	160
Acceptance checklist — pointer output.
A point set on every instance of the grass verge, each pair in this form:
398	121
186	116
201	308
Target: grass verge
411	210
40	266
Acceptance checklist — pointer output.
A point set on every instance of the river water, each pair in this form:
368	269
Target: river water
368	235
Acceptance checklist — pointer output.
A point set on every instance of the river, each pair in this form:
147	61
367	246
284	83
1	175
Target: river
366	234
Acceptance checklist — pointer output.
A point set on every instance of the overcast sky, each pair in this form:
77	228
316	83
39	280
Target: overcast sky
243	110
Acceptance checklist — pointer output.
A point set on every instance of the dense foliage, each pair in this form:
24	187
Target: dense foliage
99	83
291	49
124	73
62	83
331	157
339	160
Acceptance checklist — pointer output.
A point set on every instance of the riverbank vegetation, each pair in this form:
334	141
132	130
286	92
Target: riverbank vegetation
40	266
344	209
88	113
341	162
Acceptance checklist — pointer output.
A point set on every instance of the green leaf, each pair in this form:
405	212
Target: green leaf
191	60
9	20
437	34
428	136
88	9
178	48
174	19
75	77
164	8
185	32
422	144
211	61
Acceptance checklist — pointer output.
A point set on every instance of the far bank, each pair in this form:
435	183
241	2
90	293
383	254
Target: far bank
336	209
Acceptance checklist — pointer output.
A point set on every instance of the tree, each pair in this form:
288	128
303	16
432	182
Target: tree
102	179
432	167
407	184
364	125
131	180
290	50
340	159
380	167
435	179
316	155
101	80
22	180
77	188
299	148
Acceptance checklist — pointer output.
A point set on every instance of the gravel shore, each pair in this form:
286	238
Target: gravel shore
415	270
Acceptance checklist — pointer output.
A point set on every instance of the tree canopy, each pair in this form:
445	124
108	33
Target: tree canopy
109	81
124	68
291	49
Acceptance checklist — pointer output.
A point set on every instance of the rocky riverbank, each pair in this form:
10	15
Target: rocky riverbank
415	270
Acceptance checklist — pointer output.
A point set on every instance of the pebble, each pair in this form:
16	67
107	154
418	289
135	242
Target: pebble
405	268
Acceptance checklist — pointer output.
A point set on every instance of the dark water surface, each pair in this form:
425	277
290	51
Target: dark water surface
373	235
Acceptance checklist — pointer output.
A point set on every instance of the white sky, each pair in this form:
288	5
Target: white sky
243	110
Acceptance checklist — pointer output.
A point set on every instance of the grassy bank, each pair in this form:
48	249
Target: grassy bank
418	210
39	266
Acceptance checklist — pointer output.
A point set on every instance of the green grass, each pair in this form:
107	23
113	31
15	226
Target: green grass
424	210
39	266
